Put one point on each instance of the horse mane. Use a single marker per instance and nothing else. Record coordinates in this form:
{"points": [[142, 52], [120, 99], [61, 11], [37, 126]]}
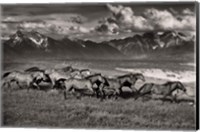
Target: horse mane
{"points": [[168, 83], [6, 74], [82, 70], [33, 69], [171, 82], [126, 75], [137, 74], [106, 81], [61, 79], [73, 70]]}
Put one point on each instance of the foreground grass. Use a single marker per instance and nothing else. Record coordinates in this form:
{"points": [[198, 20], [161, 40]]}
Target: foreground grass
{"points": [[42, 109]]}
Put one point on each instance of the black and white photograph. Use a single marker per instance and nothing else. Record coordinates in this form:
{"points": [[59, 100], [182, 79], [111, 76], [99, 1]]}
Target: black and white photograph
{"points": [[125, 65]]}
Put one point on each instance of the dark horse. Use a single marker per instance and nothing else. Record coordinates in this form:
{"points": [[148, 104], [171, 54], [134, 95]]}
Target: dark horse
{"points": [[129, 80], [111, 87], [162, 90], [99, 80]]}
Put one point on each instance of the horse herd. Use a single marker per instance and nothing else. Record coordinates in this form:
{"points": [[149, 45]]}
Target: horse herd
{"points": [[85, 82]]}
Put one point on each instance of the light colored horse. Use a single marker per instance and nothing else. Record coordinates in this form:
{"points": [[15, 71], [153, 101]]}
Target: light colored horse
{"points": [[77, 85], [56, 74], [32, 79], [129, 80]]}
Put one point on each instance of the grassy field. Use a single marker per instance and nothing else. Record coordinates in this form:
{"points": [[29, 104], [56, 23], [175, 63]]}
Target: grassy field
{"points": [[44, 109]]}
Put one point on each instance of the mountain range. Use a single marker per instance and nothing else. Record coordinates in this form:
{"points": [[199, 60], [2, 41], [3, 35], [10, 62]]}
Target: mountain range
{"points": [[155, 43]]}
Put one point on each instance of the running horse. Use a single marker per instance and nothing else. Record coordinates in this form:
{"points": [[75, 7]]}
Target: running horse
{"points": [[111, 88], [74, 84], [161, 90], [32, 79], [56, 74], [98, 80], [129, 80]]}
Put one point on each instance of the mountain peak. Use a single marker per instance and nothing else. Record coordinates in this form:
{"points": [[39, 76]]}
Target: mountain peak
{"points": [[34, 38]]}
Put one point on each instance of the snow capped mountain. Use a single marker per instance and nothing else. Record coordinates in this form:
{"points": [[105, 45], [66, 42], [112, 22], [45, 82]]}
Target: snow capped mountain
{"points": [[164, 43], [151, 42], [34, 38], [24, 43]]}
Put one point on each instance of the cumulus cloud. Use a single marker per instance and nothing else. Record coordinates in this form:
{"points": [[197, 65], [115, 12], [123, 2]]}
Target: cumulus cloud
{"points": [[187, 12], [107, 27], [151, 19], [166, 20], [125, 18]]}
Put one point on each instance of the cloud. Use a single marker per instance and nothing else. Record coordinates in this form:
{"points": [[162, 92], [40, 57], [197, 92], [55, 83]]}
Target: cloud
{"points": [[107, 27], [187, 12], [152, 19], [125, 18], [167, 21]]}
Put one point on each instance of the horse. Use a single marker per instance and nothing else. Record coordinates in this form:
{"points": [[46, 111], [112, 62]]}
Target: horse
{"points": [[31, 79], [78, 85], [129, 80], [111, 88], [98, 80], [163, 90], [56, 74]]}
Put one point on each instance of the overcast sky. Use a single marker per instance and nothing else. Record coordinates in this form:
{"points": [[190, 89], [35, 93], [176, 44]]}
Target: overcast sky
{"points": [[82, 20]]}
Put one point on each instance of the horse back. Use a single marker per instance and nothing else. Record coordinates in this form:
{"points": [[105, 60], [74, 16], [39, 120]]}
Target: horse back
{"points": [[79, 83], [6, 74], [160, 89]]}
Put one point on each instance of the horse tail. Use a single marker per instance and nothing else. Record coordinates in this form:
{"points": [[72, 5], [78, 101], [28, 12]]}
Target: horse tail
{"points": [[6, 74]]}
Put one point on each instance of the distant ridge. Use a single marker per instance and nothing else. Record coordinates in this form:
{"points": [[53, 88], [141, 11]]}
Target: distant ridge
{"points": [[35, 45]]}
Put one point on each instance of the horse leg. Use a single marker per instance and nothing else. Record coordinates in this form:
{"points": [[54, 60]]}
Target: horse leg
{"points": [[65, 95], [29, 86], [6, 85], [52, 84], [116, 95], [18, 85], [141, 94], [78, 95], [102, 95], [36, 85]]}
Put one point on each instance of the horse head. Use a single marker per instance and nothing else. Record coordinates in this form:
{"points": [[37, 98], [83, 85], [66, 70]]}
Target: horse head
{"points": [[85, 72], [41, 76], [74, 73], [59, 84], [175, 85], [180, 86]]}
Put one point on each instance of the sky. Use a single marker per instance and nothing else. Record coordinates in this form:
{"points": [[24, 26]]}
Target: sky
{"points": [[98, 22]]}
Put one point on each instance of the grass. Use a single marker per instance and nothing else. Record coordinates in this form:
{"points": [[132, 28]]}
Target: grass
{"points": [[42, 109]]}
